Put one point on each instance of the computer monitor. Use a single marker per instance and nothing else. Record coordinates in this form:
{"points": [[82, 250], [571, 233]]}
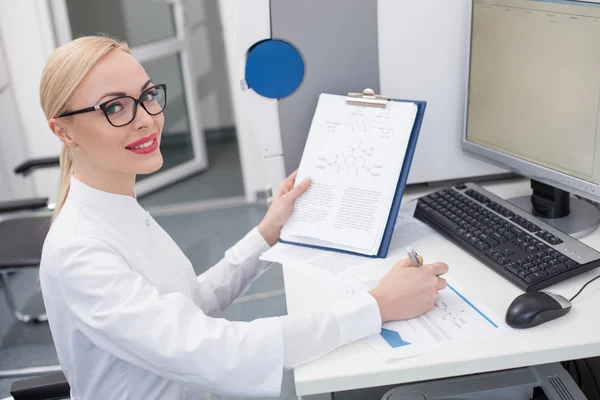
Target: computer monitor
{"points": [[533, 104]]}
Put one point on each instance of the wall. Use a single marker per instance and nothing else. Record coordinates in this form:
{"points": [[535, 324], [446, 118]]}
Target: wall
{"points": [[204, 21], [255, 178], [28, 42], [12, 148]]}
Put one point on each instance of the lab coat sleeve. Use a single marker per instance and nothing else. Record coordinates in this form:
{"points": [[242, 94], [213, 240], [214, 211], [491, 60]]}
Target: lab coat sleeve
{"points": [[310, 336], [122, 313], [219, 286]]}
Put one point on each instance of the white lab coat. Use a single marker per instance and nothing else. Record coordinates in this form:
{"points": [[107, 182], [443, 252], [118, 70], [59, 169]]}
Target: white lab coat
{"points": [[130, 320]]}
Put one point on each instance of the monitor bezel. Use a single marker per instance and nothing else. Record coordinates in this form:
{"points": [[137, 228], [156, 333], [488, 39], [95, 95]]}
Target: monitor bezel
{"points": [[522, 167]]}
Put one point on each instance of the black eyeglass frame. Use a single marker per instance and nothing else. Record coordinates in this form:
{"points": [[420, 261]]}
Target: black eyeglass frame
{"points": [[102, 106]]}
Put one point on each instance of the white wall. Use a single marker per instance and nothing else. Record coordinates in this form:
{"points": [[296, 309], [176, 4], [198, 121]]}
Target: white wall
{"points": [[28, 42], [12, 148], [204, 22], [255, 178]]}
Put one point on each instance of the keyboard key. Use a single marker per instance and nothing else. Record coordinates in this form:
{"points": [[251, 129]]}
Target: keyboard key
{"points": [[556, 269], [554, 240], [440, 219], [508, 214], [516, 231], [514, 268], [489, 252], [553, 262], [528, 265], [534, 228], [473, 240], [495, 236], [531, 249], [524, 273], [496, 255], [536, 276], [502, 260], [570, 263], [488, 240], [481, 246]]}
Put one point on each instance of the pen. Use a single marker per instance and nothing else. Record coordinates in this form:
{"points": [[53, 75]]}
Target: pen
{"points": [[413, 257]]}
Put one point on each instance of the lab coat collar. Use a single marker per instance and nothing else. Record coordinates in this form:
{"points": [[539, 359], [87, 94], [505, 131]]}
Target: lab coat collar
{"points": [[105, 201]]}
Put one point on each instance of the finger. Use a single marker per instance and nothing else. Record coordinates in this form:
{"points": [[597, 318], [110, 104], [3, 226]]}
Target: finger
{"points": [[441, 283], [299, 189], [439, 268], [403, 263], [420, 259], [285, 186], [293, 175]]}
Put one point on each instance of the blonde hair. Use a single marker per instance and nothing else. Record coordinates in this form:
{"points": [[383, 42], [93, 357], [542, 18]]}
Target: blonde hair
{"points": [[64, 71]]}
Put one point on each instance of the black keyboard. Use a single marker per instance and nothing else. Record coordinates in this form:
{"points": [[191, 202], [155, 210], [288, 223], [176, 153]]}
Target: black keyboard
{"points": [[523, 249]]}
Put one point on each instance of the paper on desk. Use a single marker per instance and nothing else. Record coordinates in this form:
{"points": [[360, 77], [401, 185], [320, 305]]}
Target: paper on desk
{"points": [[456, 318], [332, 265]]}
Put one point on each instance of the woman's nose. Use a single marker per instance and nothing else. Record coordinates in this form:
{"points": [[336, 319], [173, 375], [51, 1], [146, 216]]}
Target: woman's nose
{"points": [[142, 118]]}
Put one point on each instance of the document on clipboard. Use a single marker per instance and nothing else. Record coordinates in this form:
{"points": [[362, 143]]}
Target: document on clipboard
{"points": [[358, 154]]}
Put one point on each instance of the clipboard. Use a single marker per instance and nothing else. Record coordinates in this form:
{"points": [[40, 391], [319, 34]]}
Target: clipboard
{"points": [[368, 98]]}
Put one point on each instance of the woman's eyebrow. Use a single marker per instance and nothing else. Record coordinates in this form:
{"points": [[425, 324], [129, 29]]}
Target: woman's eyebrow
{"points": [[115, 94]]}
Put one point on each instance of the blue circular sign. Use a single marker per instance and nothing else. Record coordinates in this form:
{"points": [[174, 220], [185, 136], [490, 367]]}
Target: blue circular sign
{"points": [[274, 69]]}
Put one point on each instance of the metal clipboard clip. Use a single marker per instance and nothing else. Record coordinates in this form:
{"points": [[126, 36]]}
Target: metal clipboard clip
{"points": [[367, 98]]}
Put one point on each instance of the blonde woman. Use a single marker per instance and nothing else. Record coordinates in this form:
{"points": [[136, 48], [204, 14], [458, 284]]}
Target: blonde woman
{"points": [[129, 317]]}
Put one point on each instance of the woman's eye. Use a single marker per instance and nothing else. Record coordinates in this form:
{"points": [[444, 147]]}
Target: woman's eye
{"points": [[149, 96], [113, 108]]}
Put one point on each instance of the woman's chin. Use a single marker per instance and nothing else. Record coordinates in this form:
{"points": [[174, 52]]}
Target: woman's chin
{"points": [[151, 165]]}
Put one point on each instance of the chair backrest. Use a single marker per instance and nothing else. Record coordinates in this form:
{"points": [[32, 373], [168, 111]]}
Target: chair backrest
{"points": [[21, 240], [47, 387]]}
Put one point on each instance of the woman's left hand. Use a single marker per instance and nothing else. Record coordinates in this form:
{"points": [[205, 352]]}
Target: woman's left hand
{"points": [[281, 208]]}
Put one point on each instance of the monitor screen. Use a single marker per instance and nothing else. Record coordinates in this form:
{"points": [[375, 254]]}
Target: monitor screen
{"points": [[534, 83]]}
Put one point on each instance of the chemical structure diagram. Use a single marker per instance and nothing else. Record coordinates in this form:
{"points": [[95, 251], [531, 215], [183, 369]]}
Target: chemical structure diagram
{"points": [[448, 315], [352, 161], [358, 121]]}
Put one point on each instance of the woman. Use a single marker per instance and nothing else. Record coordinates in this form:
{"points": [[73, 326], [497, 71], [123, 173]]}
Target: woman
{"points": [[129, 318]]}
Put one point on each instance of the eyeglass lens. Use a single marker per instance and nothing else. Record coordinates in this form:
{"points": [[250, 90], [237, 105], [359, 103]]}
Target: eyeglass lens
{"points": [[121, 111]]}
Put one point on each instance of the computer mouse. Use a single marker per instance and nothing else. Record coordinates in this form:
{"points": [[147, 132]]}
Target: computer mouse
{"points": [[535, 308]]}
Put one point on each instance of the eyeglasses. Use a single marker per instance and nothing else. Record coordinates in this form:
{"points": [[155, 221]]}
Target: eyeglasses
{"points": [[120, 111]]}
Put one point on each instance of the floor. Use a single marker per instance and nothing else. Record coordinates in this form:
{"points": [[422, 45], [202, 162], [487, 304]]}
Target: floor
{"points": [[203, 236]]}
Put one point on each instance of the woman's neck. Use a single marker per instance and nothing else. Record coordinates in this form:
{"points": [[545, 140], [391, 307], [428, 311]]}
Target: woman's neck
{"points": [[107, 181]]}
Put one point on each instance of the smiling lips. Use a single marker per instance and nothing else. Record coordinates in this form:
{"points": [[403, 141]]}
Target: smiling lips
{"points": [[145, 145]]}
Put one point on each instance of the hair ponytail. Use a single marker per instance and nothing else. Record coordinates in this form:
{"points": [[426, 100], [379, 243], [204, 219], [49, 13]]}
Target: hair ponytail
{"points": [[64, 71], [66, 171]]}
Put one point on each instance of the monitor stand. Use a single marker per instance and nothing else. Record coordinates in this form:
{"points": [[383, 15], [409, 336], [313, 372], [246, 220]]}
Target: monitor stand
{"points": [[559, 209]]}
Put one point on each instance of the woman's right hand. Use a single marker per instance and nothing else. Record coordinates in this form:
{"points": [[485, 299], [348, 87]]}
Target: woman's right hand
{"points": [[407, 292]]}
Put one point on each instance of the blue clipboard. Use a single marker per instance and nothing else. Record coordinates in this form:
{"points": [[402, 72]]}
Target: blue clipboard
{"points": [[371, 99]]}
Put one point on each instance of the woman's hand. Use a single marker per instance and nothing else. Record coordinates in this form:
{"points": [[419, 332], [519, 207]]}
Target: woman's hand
{"points": [[281, 208], [407, 292]]}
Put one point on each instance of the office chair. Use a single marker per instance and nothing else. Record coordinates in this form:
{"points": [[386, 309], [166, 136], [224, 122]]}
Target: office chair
{"points": [[23, 227], [47, 387]]}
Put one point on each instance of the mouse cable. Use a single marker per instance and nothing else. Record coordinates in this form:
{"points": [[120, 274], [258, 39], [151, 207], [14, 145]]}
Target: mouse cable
{"points": [[581, 290]]}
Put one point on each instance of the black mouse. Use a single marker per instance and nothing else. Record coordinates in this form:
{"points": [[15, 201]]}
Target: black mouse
{"points": [[535, 308]]}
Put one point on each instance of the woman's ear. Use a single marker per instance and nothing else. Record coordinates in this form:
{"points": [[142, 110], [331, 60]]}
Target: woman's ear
{"points": [[60, 130]]}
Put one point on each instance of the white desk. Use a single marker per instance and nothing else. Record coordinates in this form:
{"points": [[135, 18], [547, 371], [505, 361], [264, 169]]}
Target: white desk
{"points": [[575, 335]]}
